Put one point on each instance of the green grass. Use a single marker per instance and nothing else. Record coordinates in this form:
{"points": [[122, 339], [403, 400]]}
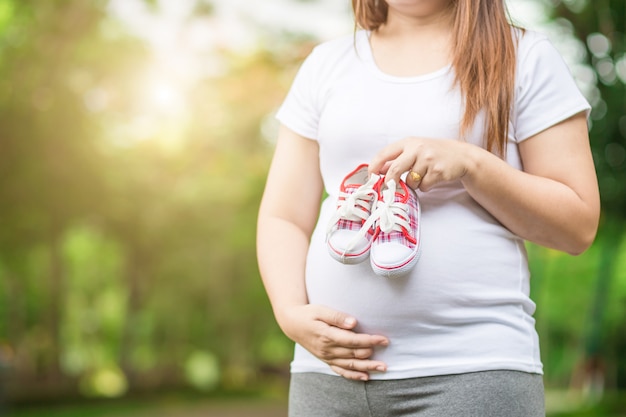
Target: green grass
{"points": [[143, 405], [567, 404], [558, 404], [96, 408]]}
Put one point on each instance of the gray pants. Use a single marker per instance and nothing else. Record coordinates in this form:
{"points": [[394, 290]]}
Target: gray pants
{"points": [[478, 394]]}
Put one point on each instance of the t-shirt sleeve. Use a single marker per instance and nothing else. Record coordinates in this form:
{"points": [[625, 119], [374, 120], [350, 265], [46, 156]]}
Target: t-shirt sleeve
{"points": [[299, 111], [546, 92]]}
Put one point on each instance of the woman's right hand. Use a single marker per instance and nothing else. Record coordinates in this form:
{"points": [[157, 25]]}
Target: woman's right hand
{"points": [[287, 217], [329, 335]]}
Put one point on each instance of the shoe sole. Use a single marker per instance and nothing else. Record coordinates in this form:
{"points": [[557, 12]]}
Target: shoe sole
{"points": [[348, 259], [396, 271]]}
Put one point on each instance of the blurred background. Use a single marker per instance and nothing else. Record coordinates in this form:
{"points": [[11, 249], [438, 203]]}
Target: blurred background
{"points": [[135, 136]]}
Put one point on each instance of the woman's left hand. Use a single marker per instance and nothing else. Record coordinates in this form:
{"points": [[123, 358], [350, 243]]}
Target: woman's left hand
{"points": [[433, 161]]}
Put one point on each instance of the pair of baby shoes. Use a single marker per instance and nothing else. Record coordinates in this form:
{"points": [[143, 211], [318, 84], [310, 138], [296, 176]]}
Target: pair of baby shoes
{"points": [[377, 219]]}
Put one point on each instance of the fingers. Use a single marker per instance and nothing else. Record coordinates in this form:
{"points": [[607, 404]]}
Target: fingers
{"points": [[349, 353], [350, 374], [334, 336], [332, 339], [399, 166], [357, 369], [355, 359], [415, 174], [381, 163], [340, 321], [414, 177], [339, 352], [360, 365], [427, 162], [334, 318], [394, 160]]}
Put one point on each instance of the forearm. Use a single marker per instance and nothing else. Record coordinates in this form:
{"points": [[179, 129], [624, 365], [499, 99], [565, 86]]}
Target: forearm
{"points": [[536, 208], [281, 251], [326, 333], [287, 216]]}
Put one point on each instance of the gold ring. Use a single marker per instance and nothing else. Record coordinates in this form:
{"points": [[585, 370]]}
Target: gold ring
{"points": [[415, 177]]}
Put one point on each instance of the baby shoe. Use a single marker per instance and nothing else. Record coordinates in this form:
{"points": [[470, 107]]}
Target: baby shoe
{"points": [[347, 239], [395, 247]]}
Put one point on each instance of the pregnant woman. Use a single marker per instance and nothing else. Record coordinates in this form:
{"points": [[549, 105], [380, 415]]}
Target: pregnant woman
{"points": [[481, 125]]}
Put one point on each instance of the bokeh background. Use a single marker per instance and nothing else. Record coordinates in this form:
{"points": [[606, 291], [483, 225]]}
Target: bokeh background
{"points": [[135, 136]]}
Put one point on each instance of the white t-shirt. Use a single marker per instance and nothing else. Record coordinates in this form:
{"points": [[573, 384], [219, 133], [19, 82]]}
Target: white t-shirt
{"points": [[465, 307]]}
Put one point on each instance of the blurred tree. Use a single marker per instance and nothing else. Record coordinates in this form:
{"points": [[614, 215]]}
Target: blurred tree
{"points": [[48, 171], [122, 258], [601, 25], [127, 256]]}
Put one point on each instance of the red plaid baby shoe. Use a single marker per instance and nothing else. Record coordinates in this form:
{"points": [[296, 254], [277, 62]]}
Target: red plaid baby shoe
{"points": [[348, 238], [395, 248]]}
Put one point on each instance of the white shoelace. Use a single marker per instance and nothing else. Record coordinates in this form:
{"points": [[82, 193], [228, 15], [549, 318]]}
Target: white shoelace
{"points": [[355, 206], [390, 215]]}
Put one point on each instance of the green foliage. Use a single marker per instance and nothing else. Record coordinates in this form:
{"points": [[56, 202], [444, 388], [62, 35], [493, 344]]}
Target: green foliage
{"points": [[126, 259], [127, 244], [601, 24], [564, 288]]}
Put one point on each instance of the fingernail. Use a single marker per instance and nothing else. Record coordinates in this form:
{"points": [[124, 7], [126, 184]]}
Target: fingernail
{"points": [[364, 378], [381, 368], [349, 321]]}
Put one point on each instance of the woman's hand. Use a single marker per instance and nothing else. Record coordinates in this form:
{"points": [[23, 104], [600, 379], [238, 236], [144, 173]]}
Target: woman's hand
{"points": [[434, 160], [329, 335], [553, 202]]}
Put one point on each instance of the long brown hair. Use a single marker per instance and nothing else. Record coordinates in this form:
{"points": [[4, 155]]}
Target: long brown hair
{"points": [[483, 60]]}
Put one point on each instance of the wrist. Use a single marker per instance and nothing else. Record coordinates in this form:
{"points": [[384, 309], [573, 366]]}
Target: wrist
{"points": [[473, 161], [285, 316]]}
